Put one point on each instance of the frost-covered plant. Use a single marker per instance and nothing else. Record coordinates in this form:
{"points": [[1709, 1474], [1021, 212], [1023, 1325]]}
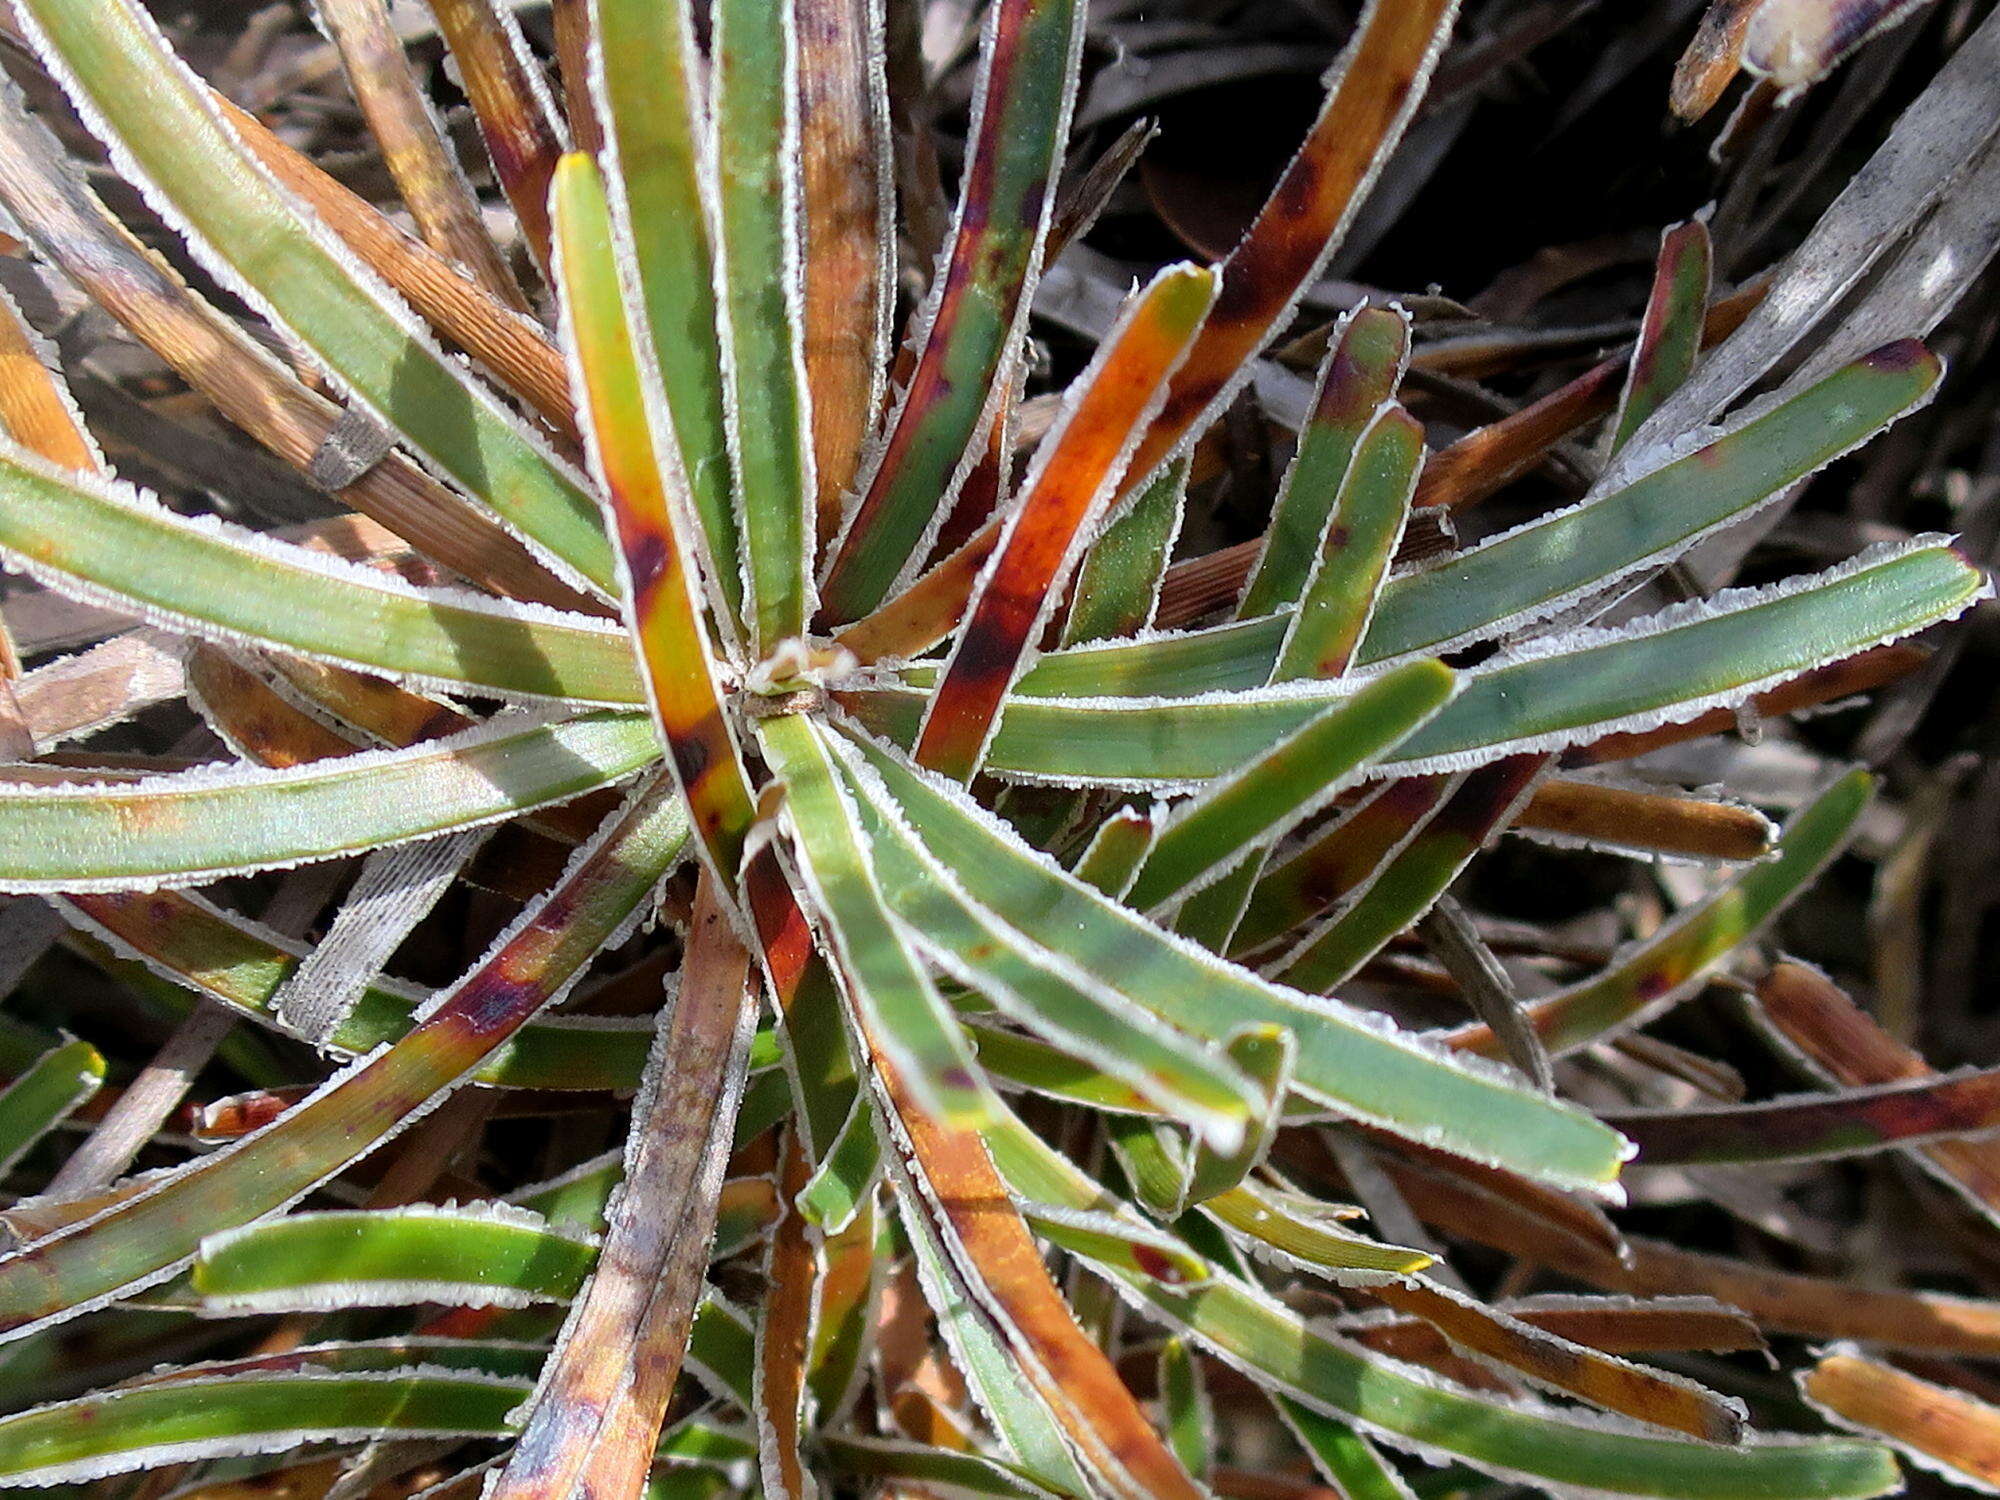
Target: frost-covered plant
{"points": [[997, 875]]}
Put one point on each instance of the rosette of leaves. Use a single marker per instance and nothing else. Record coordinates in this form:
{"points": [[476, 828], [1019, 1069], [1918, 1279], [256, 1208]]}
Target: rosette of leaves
{"points": [[1001, 875]]}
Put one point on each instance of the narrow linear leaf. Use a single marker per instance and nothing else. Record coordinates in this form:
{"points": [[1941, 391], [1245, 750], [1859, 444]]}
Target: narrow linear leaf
{"points": [[1055, 996], [163, 129], [1118, 581], [979, 299], [45, 1095], [1073, 477], [145, 1237], [1414, 879], [1670, 332], [100, 540], [186, 826], [187, 1421], [884, 978], [659, 564], [1653, 975], [1288, 783], [1352, 1063], [647, 89], [1566, 691], [1363, 367], [478, 1256], [760, 291]]}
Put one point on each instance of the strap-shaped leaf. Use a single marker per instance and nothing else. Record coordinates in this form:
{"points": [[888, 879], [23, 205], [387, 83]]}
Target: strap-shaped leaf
{"points": [[164, 131], [885, 981], [1412, 881], [1375, 92], [659, 561], [1075, 472], [190, 826], [1567, 691], [1350, 559], [1667, 967], [602, 1399], [645, 76], [1344, 1456], [103, 541], [1288, 783], [43, 1096], [1362, 370], [1540, 568], [1182, 1075], [145, 1237], [1670, 333], [480, 1256], [979, 299], [185, 1421], [1118, 582], [184, 937], [1412, 1409], [1532, 572], [1351, 1063], [759, 271], [1339, 864]]}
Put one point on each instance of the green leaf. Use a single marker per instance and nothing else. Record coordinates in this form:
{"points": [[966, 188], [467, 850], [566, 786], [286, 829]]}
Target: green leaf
{"points": [[1410, 1408], [979, 299], [1352, 1063], [186, 1421], [45, 1094], [1053, 996], [1532, 572], [1118, 582], [1555, 694], [1287, 783], [848, 1173], [189, 826], [1670, 333], [1351, 559], [1536, 571], [480, 1256], [1364, 365], [1190, 1419], [146, 1237], [758, 273], [105, 542], [1650, 976], [659, 556], [884, 978], [1347, 1459], [1411, 882], [645, 80], [164, 132]]}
